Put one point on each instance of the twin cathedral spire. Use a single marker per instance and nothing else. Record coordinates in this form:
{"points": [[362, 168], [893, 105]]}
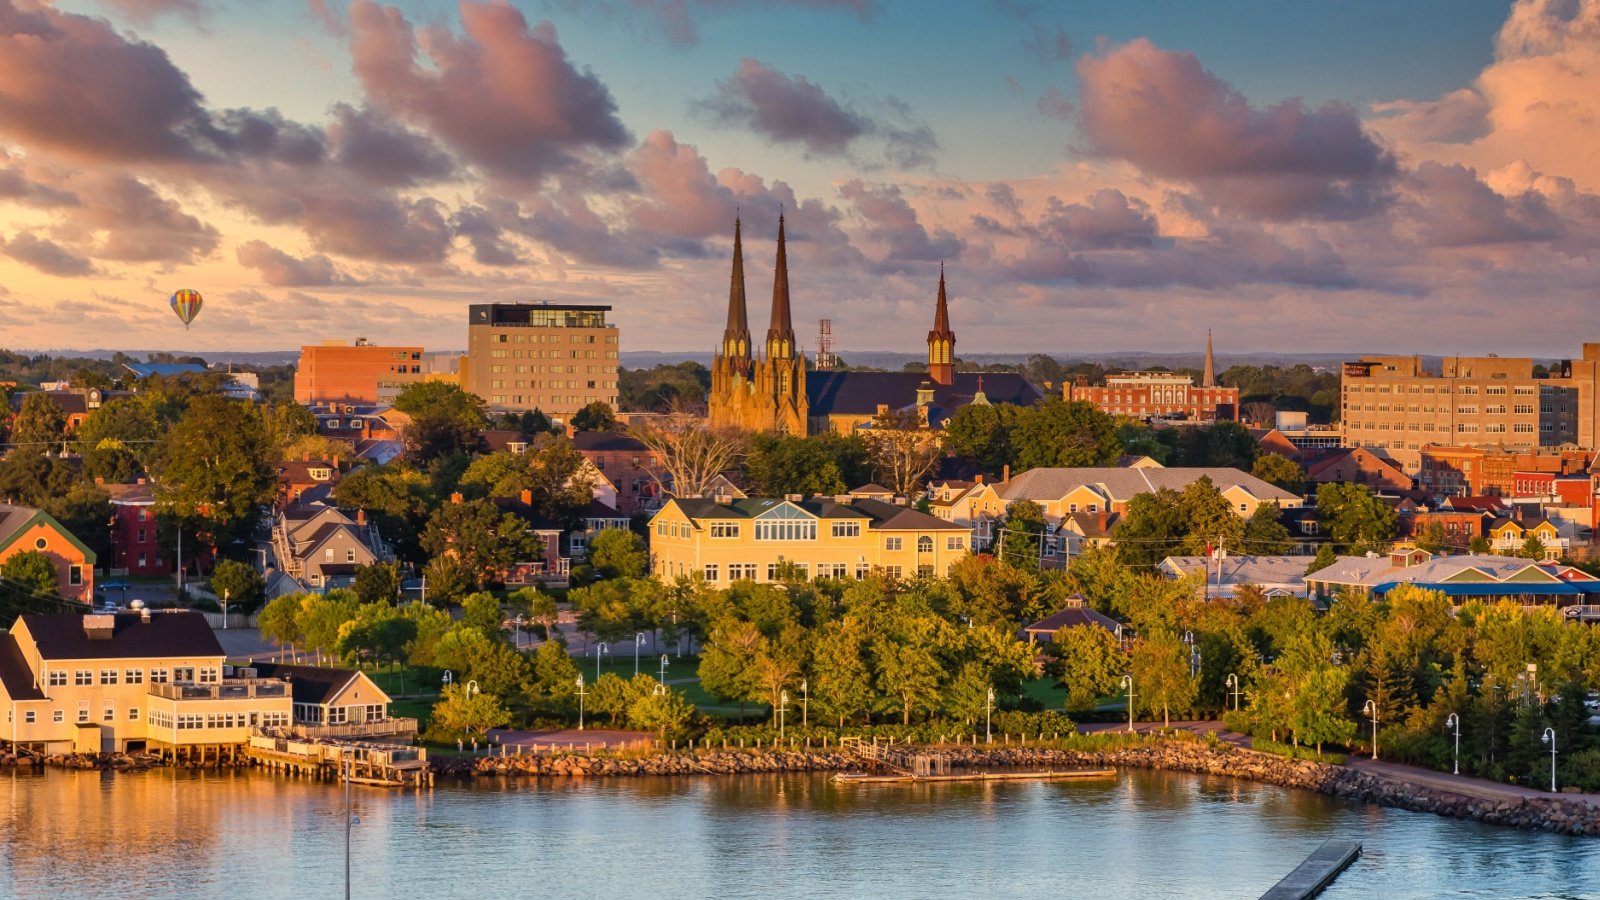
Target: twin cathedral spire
{"points": [[780, 341]]}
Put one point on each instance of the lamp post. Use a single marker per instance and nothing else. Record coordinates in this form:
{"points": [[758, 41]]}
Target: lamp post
{"points": [[1127, 683], [783, 707], [225, 593], [517, 632], [638, 642], [581, 694], [663, 668], [805, 703], [988, 718], [1232, 684], [449, 678], [600, 650], [1454, 721], [349, 820], [1371, 709], [1549, 737]]}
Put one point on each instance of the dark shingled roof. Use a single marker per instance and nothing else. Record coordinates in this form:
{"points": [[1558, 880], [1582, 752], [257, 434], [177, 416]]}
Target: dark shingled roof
{"points": [[877, 513], [1071, 617], [308, 684], [166, 634], [14, 671], [595, 441], [859, 393]]}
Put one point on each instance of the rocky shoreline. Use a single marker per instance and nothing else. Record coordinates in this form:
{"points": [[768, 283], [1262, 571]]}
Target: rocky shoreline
{"points": [[1554, 814], [120, 762]]}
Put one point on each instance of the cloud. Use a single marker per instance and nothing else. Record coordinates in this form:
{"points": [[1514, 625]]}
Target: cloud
{"points": [[374, 147], [1163, 112], [501, 95], [46, 255], [279, 269], [677, 20], [1054, 104], [125, 219], [487, 239], [146, 11], [1453, 208], [793, 110], [892, 221], [1458, 117]]}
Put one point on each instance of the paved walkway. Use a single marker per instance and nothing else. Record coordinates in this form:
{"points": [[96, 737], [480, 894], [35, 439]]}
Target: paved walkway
{"points": [[571, 738]]}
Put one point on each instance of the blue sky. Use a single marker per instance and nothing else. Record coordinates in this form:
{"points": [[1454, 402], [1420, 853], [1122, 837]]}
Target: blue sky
{"points": [[1276, 171]]}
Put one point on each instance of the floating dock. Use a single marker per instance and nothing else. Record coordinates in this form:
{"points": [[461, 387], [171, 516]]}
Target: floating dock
{"points": [[1052, 775], [379, 765], [1317, 872]]}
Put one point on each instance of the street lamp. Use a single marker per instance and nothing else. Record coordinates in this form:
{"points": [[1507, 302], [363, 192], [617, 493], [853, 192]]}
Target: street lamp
{"points": [[581, 694], [1371, 709], [1549, 737], [638, 642], [1232, 684], [349, 820], [988, 718], [225, 593], [472, 688], [663, 668], [517, 632], [600, 650], [805, 703], [1454, 721], [783, 707], [449, 678], [1127, 682]]}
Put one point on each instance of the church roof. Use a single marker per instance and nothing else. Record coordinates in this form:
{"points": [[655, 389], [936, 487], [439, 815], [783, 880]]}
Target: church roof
{"points": [[860, 393]]}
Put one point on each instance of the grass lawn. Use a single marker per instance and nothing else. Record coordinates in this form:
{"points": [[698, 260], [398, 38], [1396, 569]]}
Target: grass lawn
{"points": [[648, 665], [1047, 691]]}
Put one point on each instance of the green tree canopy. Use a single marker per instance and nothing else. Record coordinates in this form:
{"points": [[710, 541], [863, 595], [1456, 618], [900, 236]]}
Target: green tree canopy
{"points": [[597, 416], [1355, 518], [484, 539], [1277, 469], [619, 553], [1057, 432], [240, 583], [31, 571], [214, 468]]}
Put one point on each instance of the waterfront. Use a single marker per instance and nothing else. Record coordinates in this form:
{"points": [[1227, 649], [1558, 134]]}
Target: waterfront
{"points": [[1146, 834]]}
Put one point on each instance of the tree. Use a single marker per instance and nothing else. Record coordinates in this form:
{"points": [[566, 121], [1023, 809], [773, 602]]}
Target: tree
{"points": [[1152, 528], [840, 683], [1532, 548], [692, 455], [902, 451], [398, 497], [1264, 534], [609, 696], [555, 676], [597, 416], [486, 540], [780, 464], [980, 433], [1478, 546], [1325, 557], [482, 611], [1356, 519], [662, 710], [1209, 518], [39, 424], [380, 638], [619, 553], [441, 400], [1433, 538], [1057, 432], [214, 468], [909, 673], [31, 571], [447, 579], [1160, 667], [1022, 534], [377, 583], [461, 713], [1277, 469], [240, 584], [280, 620], [1088, 662], [728, 662]]}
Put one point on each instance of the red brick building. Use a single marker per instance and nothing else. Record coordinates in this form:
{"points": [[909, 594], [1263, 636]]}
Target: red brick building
{"points": [[1147, 395], [635, 469], [1355, 465], [24, 529]]}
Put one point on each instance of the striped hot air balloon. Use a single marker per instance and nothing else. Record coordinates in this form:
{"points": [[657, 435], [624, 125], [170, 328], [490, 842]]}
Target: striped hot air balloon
{"points": [[186, 304]]}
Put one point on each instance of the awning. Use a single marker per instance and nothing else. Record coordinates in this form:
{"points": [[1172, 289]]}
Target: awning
{"points": [[1499, 588]]}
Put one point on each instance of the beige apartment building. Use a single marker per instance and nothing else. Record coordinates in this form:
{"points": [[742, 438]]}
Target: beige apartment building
{"points": [[556, 358], [726, 540], [127, 682], [1392, 404]]}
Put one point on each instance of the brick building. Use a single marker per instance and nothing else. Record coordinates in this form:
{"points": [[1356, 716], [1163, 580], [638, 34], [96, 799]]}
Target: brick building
{"points": [[556, 358], [359, 372], [24, 529], [1453, 471], [1150, 395]]}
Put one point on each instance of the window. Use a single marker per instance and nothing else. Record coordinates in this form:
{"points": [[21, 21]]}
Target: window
{"points": [[862, 570], [30, 717], [892, 543], [792, 527], [892, 572], [108, 676], [742, 572], [924, 544], [724, 530], [133, 714], [158, 676], [83, 676], [83, 711], [109, 713], [350, 555], [711, 573], [183, 674], [846, 529], [133, 676], [58, 677], [953, 543], [58, 716], [925, 571]]}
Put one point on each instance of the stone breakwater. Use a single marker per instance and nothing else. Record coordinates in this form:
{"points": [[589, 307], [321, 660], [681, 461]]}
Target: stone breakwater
{"points": [[1554, 814], [120, 762]]}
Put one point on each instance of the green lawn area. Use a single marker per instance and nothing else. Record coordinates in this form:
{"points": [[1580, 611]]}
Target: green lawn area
{"points": [[1046, 691], [648, 665]]}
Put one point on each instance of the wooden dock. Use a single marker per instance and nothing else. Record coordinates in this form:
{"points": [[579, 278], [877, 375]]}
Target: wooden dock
{"points": [[1318, 871], [1051, 775], [379, 765]]}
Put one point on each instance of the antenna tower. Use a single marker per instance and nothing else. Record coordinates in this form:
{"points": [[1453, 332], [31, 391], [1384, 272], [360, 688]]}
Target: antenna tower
{"points": [[825, 357]]}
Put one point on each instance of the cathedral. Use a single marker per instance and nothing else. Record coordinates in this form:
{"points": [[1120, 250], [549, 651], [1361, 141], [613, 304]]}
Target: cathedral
{"points": [[774, 392]]}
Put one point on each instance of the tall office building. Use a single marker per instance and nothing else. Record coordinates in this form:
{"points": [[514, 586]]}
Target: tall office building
{"points": [[553, 357], [1392, 404]]}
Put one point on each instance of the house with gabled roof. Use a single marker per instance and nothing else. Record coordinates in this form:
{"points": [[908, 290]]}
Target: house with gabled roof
{"points": [[334, 703], [723, 539], [1477, 577], [1507, 536], [26, 529], [318, 547]]}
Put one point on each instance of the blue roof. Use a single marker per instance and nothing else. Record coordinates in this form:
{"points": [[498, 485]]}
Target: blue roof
{"points": [[1499, 588], [145, 370]]}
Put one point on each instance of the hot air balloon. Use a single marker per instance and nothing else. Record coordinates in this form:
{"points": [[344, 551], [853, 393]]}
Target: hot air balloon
{"points": [[186, 303]]}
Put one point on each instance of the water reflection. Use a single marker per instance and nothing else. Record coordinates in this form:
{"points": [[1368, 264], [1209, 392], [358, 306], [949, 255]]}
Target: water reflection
{"points": [[1144, 834]]}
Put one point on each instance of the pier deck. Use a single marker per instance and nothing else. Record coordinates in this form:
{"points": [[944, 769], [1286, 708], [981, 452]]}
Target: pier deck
{"points": [[1053, 775], [1318, 871]]}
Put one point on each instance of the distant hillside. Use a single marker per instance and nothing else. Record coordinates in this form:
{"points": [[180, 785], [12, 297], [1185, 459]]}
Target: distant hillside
{"points": [[1120, 359]]}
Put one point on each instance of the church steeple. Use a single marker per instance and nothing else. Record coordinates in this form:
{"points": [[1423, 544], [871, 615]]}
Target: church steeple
{"points": [[736, 337], [780, 335], [942, 340], [1209, 377]]}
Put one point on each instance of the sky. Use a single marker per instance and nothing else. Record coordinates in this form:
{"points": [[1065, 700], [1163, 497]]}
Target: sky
{"points": [[1094, 175]]}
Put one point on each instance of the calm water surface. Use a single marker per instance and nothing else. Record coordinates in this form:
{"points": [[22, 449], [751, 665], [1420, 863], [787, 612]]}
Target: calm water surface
{"points": [[1144, 834]]}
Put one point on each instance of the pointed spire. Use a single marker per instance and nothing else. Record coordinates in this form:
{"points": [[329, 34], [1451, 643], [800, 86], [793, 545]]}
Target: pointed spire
{"points": [[1209, 377], [736, 337], [780, 335], [942, 340]]}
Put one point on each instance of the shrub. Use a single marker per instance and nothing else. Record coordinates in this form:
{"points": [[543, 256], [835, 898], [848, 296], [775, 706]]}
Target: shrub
{"points": [[1288, 750]]}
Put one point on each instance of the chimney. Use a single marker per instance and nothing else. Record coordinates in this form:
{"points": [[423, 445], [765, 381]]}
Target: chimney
{"points": [[1005, 473], [1100, 518], [978, 478], [336, 463], [527, 498], [98, 480], [139, 481], [361, 518], [99, 627], [456, 497], [305, 456]]}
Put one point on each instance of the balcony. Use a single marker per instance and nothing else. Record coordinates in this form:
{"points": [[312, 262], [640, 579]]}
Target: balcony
{"points": [[229, 689], [395, 727]]}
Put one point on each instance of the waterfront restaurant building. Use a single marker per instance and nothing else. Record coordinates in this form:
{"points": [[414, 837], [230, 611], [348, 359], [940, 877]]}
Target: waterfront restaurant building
{"points": [[762, 539]]}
